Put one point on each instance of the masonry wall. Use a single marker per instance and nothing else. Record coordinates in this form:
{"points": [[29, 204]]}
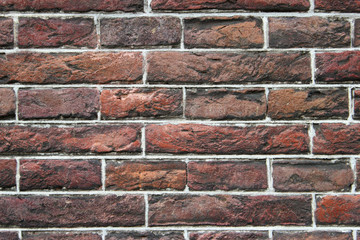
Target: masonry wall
{"points": [[179, 119]]}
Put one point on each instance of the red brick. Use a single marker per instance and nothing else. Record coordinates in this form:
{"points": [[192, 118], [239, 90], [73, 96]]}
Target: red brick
{"points": [[338, 5], [308, 104], [358, 175], [150, 31], [72, 211], [292, 32], [59, 103], [318, 176], [338, 210], [357, 104], [357, 32], [343, 67], [7, 174], [315, 235], [132, 235], [6, 33], [145, 175], [82, 139], [227, 176], [60, 174], [197, 138], [71, 6], [60, 236], [9, 236], [228, 68], [63, 68], [255, 5], [336, 138], [227, 210], [228, 235], [7, 103], [141, 102], [223, 32], [56, 32], [225, 103]]}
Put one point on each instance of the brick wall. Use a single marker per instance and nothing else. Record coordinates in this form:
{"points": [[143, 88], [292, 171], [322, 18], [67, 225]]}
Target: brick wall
{"points": [[180, 119]]}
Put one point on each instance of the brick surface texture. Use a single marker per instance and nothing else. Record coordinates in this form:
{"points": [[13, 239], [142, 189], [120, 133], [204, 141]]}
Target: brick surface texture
{"points": [[180, 119]]}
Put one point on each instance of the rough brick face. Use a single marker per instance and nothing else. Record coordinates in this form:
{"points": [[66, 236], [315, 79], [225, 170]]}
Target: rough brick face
{"points": [[60, 236], [9, 236], [338, 5], [56, 32], [357, 104], [357, 32], [220, 32], [7, 103], [59, 103], [229, 235], [161, 235], [277, 235], [290, 32], [6, 33], [7, 174]]}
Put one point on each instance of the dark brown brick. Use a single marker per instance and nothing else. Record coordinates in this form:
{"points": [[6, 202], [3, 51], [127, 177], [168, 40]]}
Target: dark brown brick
{"points": [[132, 235], [255, 5], [141, 102], [228, 68], [338, 5], [9, 236], [209, 176], [343, 67], [229, 235], [72, 211], [71, 6], [292, 235], [198, 138], [6, 32], [310, 175], [56, 32], [357, 32], [308, 104], [336, 138], [145, 175], [60, 174], [7, 174], [223, 32], [82, 139], [150, 31], [61, 68], [293, 32], [338, 210], [59, 103], [60, 236], [227, 210], [357, 104], [7, 103], [225, 104], [358, 174]]}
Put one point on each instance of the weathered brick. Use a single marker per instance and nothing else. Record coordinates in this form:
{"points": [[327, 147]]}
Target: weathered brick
{"points": [[338, 5], [56, 32], [308, 103], [223, 32], [62, 68], [227, 210], [225, 103], [229, 235], [145, 175], [71, 6], [358, 174], [209, 176], [228, 68], [336, 138], [59, 103], [141, 102], [255, 5], [140, 31], [343, 67], [72, 211], [303, 176], [357, 33], [7, 103], [198, 138], [293, 32], [6, 32], [132, 235], [338, 210], [60, 174], [60, 236], [82, 139], [7, 173], [357, 104], [9, 236], [302, 235]]}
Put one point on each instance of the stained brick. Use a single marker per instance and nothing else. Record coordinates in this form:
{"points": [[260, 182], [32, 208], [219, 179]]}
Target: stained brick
{"points": [[338, 5], [9, 236], [357, 32], [7, 103], [229, 235], [60, 236], [298, 235], [7, 174], [132, 235], [6, 33]]}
